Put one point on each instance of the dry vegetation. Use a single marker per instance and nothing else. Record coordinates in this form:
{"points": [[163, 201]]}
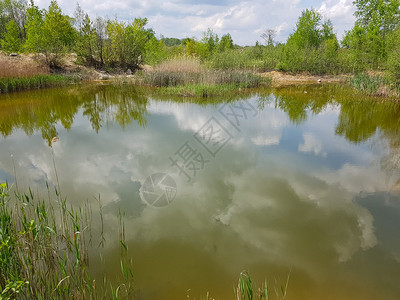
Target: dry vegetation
{"points": [[21, 66], [189, 71]]}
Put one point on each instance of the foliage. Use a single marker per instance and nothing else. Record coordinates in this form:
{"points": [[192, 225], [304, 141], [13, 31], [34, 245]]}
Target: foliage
{"points": [[376, 19], [155, 52], [313, 46], [393, 50], [373, 42], [375, 85], [43, 259], [8, 85], [171, 41], [137, 37], [86, 41], [245, 289], [12, 10], [34, 29], [226, 43], [188, 77], [49, 32], [11, 41]]}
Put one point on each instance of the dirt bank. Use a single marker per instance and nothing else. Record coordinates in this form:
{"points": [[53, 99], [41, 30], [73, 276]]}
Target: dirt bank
{"points": [[281, 79], [26, 65]]}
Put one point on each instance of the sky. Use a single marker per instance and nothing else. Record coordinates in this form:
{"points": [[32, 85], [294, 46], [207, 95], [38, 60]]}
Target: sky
{"points": [[244, 20]]}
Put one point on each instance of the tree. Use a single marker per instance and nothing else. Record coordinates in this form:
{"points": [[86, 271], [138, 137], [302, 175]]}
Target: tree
{"points": [[189, 44], [136, 38], [34, 29], [86, 40], [381, 14], [171, 41], [225, 43], [155, 51], [268, 36], [210, 39], [375, 20], [13, 10], [117, 47], [312, 46], [11, 41], [79, 17], [308, 31], [58, 34], [393, 49], [100, 26]]}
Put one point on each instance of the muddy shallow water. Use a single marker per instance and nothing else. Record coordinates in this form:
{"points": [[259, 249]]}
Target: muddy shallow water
{"points": [[274, 183]]}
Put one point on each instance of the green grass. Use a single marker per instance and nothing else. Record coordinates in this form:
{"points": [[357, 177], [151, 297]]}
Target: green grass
{"points": [[8, 85], [246, 290], [375, 85], [204, 90], [44, 251]]}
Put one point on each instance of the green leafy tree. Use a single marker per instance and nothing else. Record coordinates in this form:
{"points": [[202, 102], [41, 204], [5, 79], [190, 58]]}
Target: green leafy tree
{"points": [[116, 49], [375, 20], [211, 40], [58, 34], [34, 29], [309, 30], [189, 44], [13, 10], [85, 45], [11, 41], [100, 28], [393, 49], [155, 51], [225, 43], [171, 41], [312, 47], [136, 37]]}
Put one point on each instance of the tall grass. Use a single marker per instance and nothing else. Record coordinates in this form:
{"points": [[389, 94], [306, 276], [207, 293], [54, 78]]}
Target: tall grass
{"points": [[375, 85], [39, 259], [187, 76], [8, 85], [21, 66], [245, 289]]}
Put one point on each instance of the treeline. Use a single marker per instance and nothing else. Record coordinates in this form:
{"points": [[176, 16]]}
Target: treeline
{"points": [[372, 44]]}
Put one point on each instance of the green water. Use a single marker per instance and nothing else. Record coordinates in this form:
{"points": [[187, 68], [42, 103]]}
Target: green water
{"points": [[283, 181]]}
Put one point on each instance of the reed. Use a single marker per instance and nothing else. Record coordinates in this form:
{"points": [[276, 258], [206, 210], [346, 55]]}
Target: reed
{"points": [[188, 77], [375, 85], [40, 259], [245, 289], [21, 66], [8, 85]]}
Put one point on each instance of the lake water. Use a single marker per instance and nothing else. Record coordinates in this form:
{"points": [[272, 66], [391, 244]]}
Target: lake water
{"points": [[303, 181]]}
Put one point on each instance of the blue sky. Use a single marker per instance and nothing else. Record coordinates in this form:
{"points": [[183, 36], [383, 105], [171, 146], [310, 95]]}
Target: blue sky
{"points": [[244, 20]]}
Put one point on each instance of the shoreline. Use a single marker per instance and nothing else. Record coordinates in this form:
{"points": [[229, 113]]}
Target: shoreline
{"points": [[28, 65]]}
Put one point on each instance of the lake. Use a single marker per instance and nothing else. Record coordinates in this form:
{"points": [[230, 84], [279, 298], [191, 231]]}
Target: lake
{"points": [[302, 181]]}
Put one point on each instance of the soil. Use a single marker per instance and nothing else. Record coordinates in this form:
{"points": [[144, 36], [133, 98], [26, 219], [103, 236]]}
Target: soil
{"points": [[281, 79]]}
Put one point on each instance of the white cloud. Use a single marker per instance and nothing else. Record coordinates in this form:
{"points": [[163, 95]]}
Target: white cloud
{"points": [[260, 140], [244, 20], [311, 145], [340, 12]]}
